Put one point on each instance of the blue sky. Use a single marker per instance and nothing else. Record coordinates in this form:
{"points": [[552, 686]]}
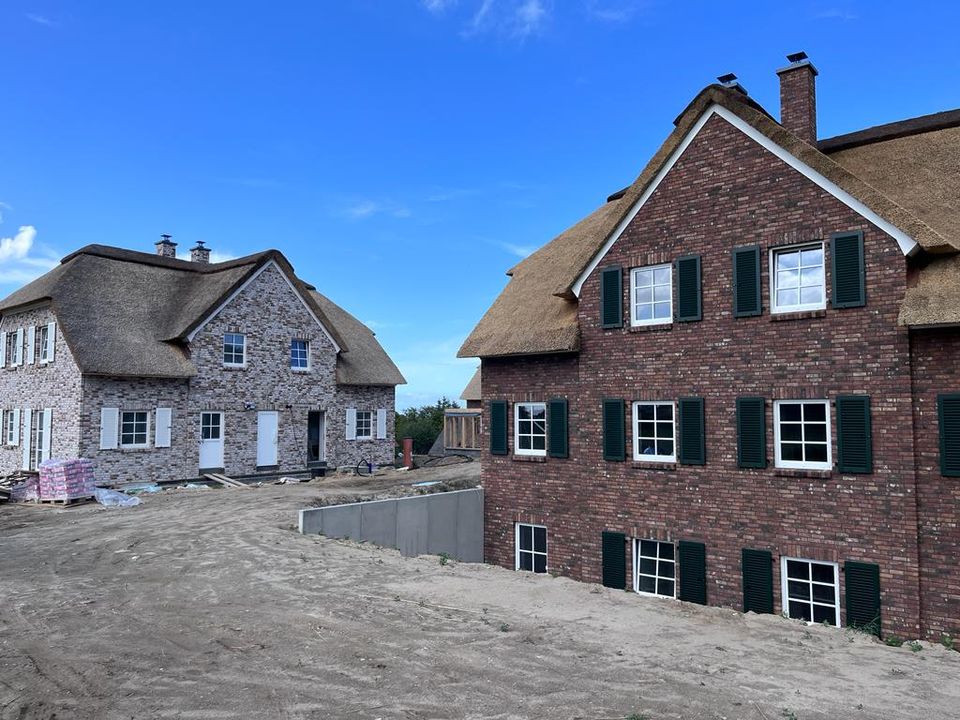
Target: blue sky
{"points": [[403, 154]]}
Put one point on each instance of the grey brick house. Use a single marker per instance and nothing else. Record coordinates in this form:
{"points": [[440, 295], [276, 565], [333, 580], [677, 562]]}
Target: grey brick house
{"points": [[158, 368]]}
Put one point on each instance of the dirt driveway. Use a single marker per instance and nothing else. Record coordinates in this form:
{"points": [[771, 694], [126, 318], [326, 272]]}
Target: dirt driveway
{"points": [[206, 604]]}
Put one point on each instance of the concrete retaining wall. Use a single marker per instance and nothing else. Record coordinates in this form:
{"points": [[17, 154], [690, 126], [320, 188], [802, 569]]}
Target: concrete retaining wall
{"points": [[450, 522]]}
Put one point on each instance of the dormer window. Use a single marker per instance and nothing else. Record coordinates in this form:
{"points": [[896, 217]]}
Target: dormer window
{"points": [[234, 350]]}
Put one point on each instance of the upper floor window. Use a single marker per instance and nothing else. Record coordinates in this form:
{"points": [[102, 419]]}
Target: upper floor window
{"points": [[299, 354], [133, 428], [651, 295], [43, 343], [234, 349], [654, 439], [802, 434], [364, 424], [530, 428], [798, 278]]}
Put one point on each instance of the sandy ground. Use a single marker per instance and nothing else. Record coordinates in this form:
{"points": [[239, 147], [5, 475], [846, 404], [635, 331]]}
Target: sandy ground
{"points": [[206, 604]]}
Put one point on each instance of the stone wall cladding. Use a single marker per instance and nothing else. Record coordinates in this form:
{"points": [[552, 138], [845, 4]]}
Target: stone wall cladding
{"points": [[935, 361], [270, 314], [54, 385], [350, 452], [724, 192]]}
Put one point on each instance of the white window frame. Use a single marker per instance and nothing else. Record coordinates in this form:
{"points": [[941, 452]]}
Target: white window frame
{"points": [[43, 344], [796, 464], [517, 450], [10, 418], [532, 552], [637, 455], [223, 350], [146, 435], [634, 320], [368, 414], [775, 307], [636, 568], [306, 344], [785, 590]]}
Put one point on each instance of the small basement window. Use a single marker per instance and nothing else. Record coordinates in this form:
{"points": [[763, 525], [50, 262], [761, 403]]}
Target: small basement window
{"points": [[811, 590], [531, 541], [651, 295], [802, 434], [655, 565], [530, 428], [798, 282], [133, 428], [234, 349]]}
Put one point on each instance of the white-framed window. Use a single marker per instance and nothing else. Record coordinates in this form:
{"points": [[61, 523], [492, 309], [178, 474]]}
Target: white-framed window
{"points": [[810, 590], [234, 349], [530, 428], [42, 346], [797, 278], [211, 425], [654, 568], [651, 295], [134, 428], [364, 424], [801, 431], [299, 354], [531, 544], [654, 436], [11, 419]]}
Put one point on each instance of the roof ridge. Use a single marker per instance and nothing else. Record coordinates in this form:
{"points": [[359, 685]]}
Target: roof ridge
{"points": [[120, 254], [891, 131]]}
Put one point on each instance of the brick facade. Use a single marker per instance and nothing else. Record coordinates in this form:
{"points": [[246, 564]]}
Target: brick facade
{"points": [[269, 313], [726, 191]]}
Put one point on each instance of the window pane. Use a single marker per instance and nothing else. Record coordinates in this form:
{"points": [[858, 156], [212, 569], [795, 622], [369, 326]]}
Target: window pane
{"points": [[648, 548], [644, 312], [788, 279], [789, 412], [538, 412], [666, 551], [664, 412], [666, 570], [526, 537], [540, 563], [644, 295], [824, 593], [662, 310], [821, 613], [799, 611], [787, 260], [643, 278], [523, 412], [792, 452], [647, 429], [798, 590], [816, 453], [540, 539], [645, 412], [815, 432], [791, 432], [662, 292], [539, 442], [665, 430], [665, 587], [810, 277], [811, 295], [648, 584], [814, 412], [648, 566], [787, 298], [666, 447], [661, 275], [524, 442], [822, 573], [798, 569], [526, 561], [648, 446], [814, 256]]}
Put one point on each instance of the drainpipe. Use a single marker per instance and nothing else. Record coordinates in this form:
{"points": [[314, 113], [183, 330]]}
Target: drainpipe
{"points": [[408, 453]]}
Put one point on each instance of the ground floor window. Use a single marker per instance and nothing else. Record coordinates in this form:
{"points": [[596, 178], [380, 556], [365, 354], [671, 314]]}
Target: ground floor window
{"points": [[655, 568], [364, 424], [211, 425], [133, 428], [811, 590], [531, 547]]}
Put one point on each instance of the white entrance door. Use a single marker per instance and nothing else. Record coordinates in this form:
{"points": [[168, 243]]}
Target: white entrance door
{"points": [[211, 440], [267, 438]]}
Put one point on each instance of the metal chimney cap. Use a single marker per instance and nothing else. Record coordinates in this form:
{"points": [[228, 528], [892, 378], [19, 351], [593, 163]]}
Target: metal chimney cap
{"points": [[797, 56], [165, 239], [730, 81], [798, 60]]}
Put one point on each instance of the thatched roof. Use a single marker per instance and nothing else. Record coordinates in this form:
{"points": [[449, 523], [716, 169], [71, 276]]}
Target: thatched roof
{"points": [[126, 313], [933, 294], [472, 390], [537, 311]]}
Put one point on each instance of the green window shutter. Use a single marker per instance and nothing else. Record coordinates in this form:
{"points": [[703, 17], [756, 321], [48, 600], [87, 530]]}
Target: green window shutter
{"points": [[614, 443], [751, 432], [498, 427], [948, 408], [757, 581], [746, 281], [611, 297], [693, 572], [854, 434], [614, 560], [846, 254], [693, 450], [557, 427], [688, 289], [862, 582]]}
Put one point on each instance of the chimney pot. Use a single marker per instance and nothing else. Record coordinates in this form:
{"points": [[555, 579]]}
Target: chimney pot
{"points": [[165, 247], [199, 253], [730, 81], [798, 97]]}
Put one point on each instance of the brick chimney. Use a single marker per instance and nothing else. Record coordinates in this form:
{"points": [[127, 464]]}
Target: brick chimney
{"points": [[165, 247], [199, 253], [798, 97]]}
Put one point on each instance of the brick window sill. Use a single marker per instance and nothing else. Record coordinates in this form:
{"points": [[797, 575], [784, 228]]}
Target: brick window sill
{"points": [[816, 474], [665, 327], [667, 466], [529, 458], [806, 315]]}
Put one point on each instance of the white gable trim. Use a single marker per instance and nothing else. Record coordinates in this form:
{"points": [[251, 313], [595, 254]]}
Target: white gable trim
{"points": [[907, 244], [247, 282]]}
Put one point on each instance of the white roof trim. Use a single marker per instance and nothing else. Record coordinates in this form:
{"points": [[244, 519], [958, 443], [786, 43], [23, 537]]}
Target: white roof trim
{"points": [[246, 283], [907, 244]]}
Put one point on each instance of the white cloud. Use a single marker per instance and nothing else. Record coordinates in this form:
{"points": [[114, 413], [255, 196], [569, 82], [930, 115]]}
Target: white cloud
{"points": [[17, 247], [40, 19], [520, 251], [438, 6], [366, 208], [612, 12], [529, 17], [432, 369], [511, 18], [21, 261]]}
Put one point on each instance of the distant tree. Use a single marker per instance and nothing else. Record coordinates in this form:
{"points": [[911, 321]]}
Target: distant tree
{"points": [[423, 424]]}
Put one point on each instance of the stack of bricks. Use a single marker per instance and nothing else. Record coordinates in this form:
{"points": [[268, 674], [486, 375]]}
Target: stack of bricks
{"points": [[66, 479]]}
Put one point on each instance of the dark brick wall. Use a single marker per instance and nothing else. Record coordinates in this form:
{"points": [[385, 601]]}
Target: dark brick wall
{"points": [[725, 192], [935, 358], [798, 102]]}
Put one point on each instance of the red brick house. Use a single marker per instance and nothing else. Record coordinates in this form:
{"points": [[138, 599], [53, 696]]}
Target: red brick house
{"points": [[737, 382]]}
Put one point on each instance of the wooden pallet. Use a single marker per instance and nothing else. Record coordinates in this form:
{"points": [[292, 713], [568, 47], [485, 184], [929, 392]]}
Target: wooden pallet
{"points": [[68, 503]]}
